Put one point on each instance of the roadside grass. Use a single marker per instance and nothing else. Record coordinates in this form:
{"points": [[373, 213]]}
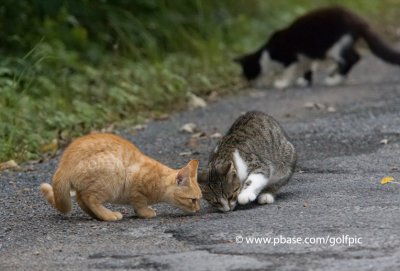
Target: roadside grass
{"points": [[57, 92]]}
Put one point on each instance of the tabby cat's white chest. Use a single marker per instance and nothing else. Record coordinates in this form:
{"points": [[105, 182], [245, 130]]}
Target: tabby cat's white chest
{"points": [[241, 166]]}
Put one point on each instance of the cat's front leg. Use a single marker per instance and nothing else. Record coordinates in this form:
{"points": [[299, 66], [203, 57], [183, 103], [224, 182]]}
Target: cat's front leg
{"points": [[141, 207], [253, 185], [288, 76], [145, 212]]}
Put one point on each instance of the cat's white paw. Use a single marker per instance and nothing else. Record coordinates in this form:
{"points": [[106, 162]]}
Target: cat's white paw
{"points": [[246, 197], [301, 82], [266, 198], [334, 80], [281, 84]]}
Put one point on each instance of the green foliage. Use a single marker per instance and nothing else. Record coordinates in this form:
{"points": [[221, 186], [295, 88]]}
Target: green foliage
{"points": [[91, 63]]}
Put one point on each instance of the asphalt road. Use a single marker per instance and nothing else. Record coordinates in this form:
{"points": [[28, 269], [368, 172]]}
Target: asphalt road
{"points": [[334, 193]]}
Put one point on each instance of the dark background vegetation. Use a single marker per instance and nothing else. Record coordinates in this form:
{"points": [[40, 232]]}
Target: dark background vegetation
{"points": [[68, 67]]}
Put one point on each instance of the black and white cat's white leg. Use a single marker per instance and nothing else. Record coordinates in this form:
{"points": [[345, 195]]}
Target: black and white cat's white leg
{"points": [[288, 76], [253, 185], [305, 73], [306, 79], [350, 57], [345, 56]]}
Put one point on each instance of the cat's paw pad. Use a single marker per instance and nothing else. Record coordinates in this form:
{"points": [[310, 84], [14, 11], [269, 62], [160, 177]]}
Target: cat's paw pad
{"points": [[246, 197], [281, 84], [334, 80], [113, 216], [266, 198]]}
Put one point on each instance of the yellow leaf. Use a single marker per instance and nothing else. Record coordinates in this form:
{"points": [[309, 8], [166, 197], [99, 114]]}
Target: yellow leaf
{"points": [[387, 180]]}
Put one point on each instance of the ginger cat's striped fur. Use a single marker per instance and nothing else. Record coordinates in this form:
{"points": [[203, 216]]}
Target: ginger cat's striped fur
{"points": [[106, 168]]}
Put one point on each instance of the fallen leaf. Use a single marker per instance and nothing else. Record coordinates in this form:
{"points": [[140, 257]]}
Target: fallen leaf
{"points": [[199, 135], [320, 106], [186, 153], [189, 128], [331, 109], [216, 135], [11, 164], [384, 141], [212, 97], [195, 102], [139, 127], [309, 105], [386, 180], [163, 116]]}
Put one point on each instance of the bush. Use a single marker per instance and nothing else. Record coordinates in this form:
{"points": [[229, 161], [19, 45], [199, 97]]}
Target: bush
{"points": [[67, 67]]}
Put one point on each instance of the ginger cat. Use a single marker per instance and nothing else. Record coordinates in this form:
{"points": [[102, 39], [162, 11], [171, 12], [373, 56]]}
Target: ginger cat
{"points": [[106, 168]]}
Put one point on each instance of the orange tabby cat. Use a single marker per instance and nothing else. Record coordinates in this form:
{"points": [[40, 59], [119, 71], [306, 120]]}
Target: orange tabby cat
{"points": [[106, 168]]}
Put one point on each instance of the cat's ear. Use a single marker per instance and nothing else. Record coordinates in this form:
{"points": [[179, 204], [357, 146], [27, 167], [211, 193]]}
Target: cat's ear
{"points": [[188, 172], [193, 166], [226, 169], [231, 172], [183, 177]]}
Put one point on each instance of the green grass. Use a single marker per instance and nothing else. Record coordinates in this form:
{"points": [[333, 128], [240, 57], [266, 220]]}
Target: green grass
{"points": [[73, 82]]}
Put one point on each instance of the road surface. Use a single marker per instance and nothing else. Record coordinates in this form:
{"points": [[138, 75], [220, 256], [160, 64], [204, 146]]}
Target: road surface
{"points": [[334, 197]]}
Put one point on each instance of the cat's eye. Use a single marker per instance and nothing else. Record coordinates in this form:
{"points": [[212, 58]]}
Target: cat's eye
{"points": [[194, 201], [216, 203]]}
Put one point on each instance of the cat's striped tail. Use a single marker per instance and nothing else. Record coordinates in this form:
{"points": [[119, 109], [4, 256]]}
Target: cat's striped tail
{"points": [[58, 195], [380, 48]]}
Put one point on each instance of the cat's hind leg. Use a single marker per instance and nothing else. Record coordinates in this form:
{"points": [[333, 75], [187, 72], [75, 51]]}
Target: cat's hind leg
{"points": [[305, 80], [83, 205], [349, 58], [95, 205], [253, 185], [345, 56]]}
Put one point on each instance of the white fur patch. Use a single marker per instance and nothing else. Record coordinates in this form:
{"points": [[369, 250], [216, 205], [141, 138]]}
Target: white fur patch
{"points": [[255, 184], [335, 51], [225, 206], [265, 198], [334, 80], [216, 149], [288, 76], [240, 165], [301, 82], [281, 83], [233, 204], [265, 62], [269, 66]]}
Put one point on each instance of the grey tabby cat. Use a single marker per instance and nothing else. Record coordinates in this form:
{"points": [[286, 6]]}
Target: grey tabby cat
{"points": [[252, 161]]}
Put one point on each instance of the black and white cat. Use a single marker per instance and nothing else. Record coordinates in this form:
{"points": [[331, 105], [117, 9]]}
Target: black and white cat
{"points": [[326, 33]]}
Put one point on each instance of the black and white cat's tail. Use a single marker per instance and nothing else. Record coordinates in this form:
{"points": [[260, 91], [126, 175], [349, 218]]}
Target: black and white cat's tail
{"points": [[380, 48]]}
